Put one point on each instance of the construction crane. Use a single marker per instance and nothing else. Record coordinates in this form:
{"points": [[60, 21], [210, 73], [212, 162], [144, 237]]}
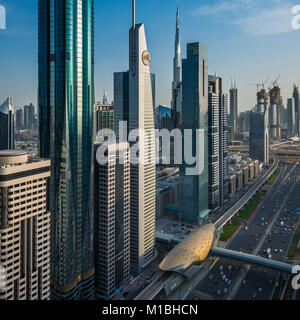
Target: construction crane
{"points": [[261, 84], [275, 82]]}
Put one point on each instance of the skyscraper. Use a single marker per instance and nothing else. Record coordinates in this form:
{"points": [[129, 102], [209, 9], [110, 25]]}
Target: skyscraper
{"points": [[66, 108], [7, 135], [297, 109], [104, 115], [224, 137], [259, 136], [218, 141], [143, 174], [275, 113], [29, 116], [121, 100], [112, 220], [176, 84], [213, 146], [291, 118], [19, 119], [134, 103], [233, 110], [24, 226], [194, 188]]}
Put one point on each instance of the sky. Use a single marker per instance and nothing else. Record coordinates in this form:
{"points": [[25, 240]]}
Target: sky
{"points": [[249, 40]]}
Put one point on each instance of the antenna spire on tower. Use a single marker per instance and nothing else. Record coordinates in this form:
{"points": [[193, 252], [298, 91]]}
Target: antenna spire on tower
{"points": [[133, 14]]}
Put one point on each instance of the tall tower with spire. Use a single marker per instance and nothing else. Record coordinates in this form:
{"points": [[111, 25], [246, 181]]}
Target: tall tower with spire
{"points": [[134, 101], [177, 77]]}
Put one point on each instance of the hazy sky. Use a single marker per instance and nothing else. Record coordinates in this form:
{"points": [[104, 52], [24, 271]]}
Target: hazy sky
{"points": [[250, 40]]}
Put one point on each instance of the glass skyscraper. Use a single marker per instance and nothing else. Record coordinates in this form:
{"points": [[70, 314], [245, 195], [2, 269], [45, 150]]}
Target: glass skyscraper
{"points": [[7, 127], [194, 188], [66, 102]]}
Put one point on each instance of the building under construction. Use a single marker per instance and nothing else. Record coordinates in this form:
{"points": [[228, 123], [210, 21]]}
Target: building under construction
{"points": [[262, 100], [275, 113]]}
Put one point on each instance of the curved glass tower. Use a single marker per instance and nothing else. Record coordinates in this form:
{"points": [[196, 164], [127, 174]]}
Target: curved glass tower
{"points": [[66, 99]]}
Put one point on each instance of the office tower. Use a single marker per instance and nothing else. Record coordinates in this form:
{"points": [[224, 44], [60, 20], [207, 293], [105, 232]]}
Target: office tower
{"points": [[233, 109], [297, 109], [112, 220], [213, 147], [259, 136], [24, 226], [19, 119], [29, 116], [143, 174], [275, 113], [177, 78], [104, 114], [291, 118], [7, 135], [194, 187], [66, 108]]}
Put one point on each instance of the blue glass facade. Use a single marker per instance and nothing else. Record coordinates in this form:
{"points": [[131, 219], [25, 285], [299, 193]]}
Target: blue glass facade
{"points": [[194, 188], [66, 100]]}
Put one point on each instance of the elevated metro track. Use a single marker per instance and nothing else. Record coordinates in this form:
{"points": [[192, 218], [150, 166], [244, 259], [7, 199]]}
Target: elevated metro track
{"points": [[253, 260]]}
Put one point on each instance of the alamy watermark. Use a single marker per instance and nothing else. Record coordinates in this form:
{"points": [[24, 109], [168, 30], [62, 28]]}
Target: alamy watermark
{"points": [[296, 17], [188, 147], [2, 17], [2, 279], [296, 279]]}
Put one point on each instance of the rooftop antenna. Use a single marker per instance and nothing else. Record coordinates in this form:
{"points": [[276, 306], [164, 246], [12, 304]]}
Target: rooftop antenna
{"points": [[133, 15]]}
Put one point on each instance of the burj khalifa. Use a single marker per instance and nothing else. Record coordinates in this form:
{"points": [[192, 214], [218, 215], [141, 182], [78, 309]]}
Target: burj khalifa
{"points": [[177, 77]]}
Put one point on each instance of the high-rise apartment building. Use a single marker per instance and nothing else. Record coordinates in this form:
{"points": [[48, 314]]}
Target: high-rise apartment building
{"points": [[7, 135], [218, 142], [112, 219], [233, 110], [194, 187], [24, 226], [213, 148], [224, 137], [66, 109]]}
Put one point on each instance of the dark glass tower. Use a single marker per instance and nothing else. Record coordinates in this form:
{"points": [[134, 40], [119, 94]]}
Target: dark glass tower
{"points": [[193, 186], [7, 136], [66, 100]]}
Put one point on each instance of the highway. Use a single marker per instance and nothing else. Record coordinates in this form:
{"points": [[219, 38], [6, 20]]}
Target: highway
{"points": [[240, 204], [264, 232]]}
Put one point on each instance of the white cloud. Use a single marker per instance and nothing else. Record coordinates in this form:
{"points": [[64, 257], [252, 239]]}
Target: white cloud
{"points": [[253, 17]]}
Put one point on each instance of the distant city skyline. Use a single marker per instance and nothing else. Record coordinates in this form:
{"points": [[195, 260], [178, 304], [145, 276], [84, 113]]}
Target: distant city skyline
{"points": [[249, 41]]}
